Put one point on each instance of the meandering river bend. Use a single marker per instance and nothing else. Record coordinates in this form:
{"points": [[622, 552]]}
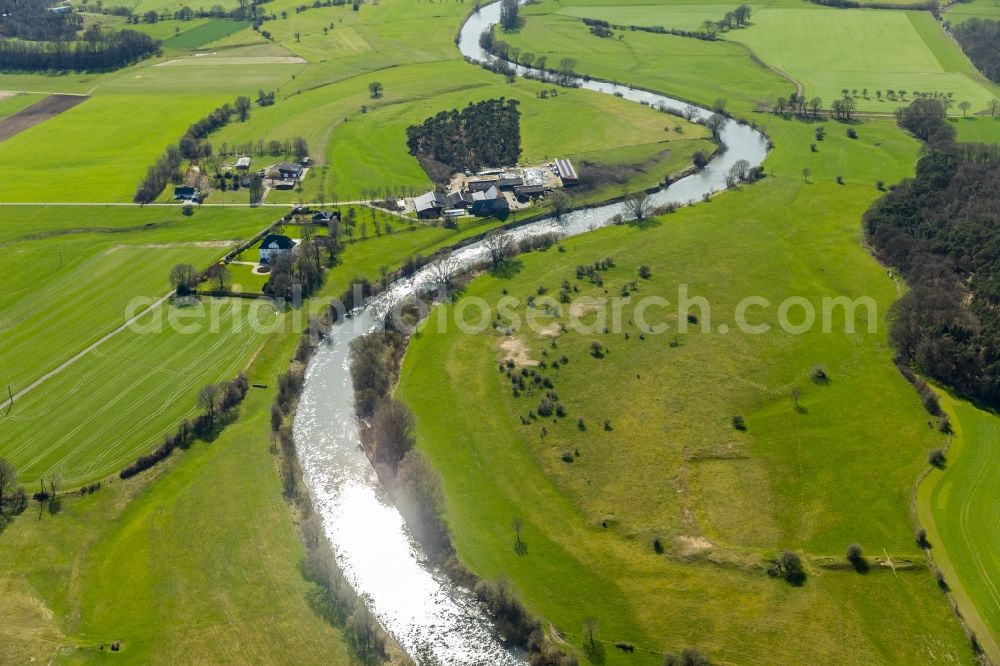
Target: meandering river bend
{"points": [[416, 603]]}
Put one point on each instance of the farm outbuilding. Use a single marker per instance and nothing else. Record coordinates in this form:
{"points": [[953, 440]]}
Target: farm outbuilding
{"points": [[567, 173], [480, 185], [489, 202], [325, 217], [273, 246], [243, 164], [430, 205], [286, 171]]}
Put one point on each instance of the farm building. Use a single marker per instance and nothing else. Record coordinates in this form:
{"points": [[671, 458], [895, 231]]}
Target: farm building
{"points": [[325, 217], [286, 171], [481, 185], [460, 199], [273, 246], [567, 173], [430, 205], [529, 191], [243, 164], [508, 181], [489, 202], [184, 193]]}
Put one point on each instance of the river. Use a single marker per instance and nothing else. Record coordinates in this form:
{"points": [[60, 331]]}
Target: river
{"points": [[417, 604]]}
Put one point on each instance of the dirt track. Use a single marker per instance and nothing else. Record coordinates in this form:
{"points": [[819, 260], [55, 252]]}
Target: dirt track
{"points": [[36, 113]]}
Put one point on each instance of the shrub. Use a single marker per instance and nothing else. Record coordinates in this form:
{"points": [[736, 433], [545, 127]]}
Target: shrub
{"points": [[921, 538], [545, 408], [937, 458], [856, 556], [852, 133], [788, 565], [580, 425], [644, 272], [819, 375], [739, 423], [597, 349]]}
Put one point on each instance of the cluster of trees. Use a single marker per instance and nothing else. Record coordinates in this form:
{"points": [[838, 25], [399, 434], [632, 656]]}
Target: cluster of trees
{"points": [[660, 30], [190, 146], [561, 74], [31, 20], [216, 401], [486, 133], [942, 230], [300, 273], [980, 39], [98, 50], [796, 104], [296, 147], [925, 119], [509, 15], [736, 18], [13, 499]]}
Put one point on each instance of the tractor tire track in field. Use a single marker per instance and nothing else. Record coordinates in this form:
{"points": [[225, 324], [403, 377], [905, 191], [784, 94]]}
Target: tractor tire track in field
{"points": [[38, 113], [80, 354]]}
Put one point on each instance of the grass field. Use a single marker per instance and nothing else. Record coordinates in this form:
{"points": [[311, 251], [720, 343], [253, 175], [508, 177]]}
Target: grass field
{"points": [[694, 69], [11, 105], [97, 151], [205, 561], [205, 33], [978, 130], [680, 16], [673, 467], [826, 50], [958, 506], [117, 402], [962, 11], [829, 49], [87, 264]]}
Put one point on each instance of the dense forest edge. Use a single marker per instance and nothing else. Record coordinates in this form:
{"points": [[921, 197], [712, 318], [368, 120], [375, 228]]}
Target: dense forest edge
{"points": [[941, 229]]}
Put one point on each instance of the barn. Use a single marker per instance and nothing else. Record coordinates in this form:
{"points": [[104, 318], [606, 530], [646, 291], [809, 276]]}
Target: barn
{"points": [[567, 173]]}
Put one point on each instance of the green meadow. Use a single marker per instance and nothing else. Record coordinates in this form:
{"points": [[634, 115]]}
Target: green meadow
{"points": [[97, 151], [205, 34], [193, 562], [958, 506], [17, 102], [87, 264], [824, 50], [117, 401], [962, 11], [671, 467]]}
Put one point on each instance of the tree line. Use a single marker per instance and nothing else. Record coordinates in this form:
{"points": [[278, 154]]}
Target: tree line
{"points": [[217, 401], [97, 51], [980, 39], [941, 229], [486, 133], [190, 146]]}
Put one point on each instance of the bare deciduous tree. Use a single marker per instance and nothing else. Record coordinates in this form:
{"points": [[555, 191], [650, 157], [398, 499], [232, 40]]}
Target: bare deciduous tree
{"points": [[500, 247], [638, 206]]}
